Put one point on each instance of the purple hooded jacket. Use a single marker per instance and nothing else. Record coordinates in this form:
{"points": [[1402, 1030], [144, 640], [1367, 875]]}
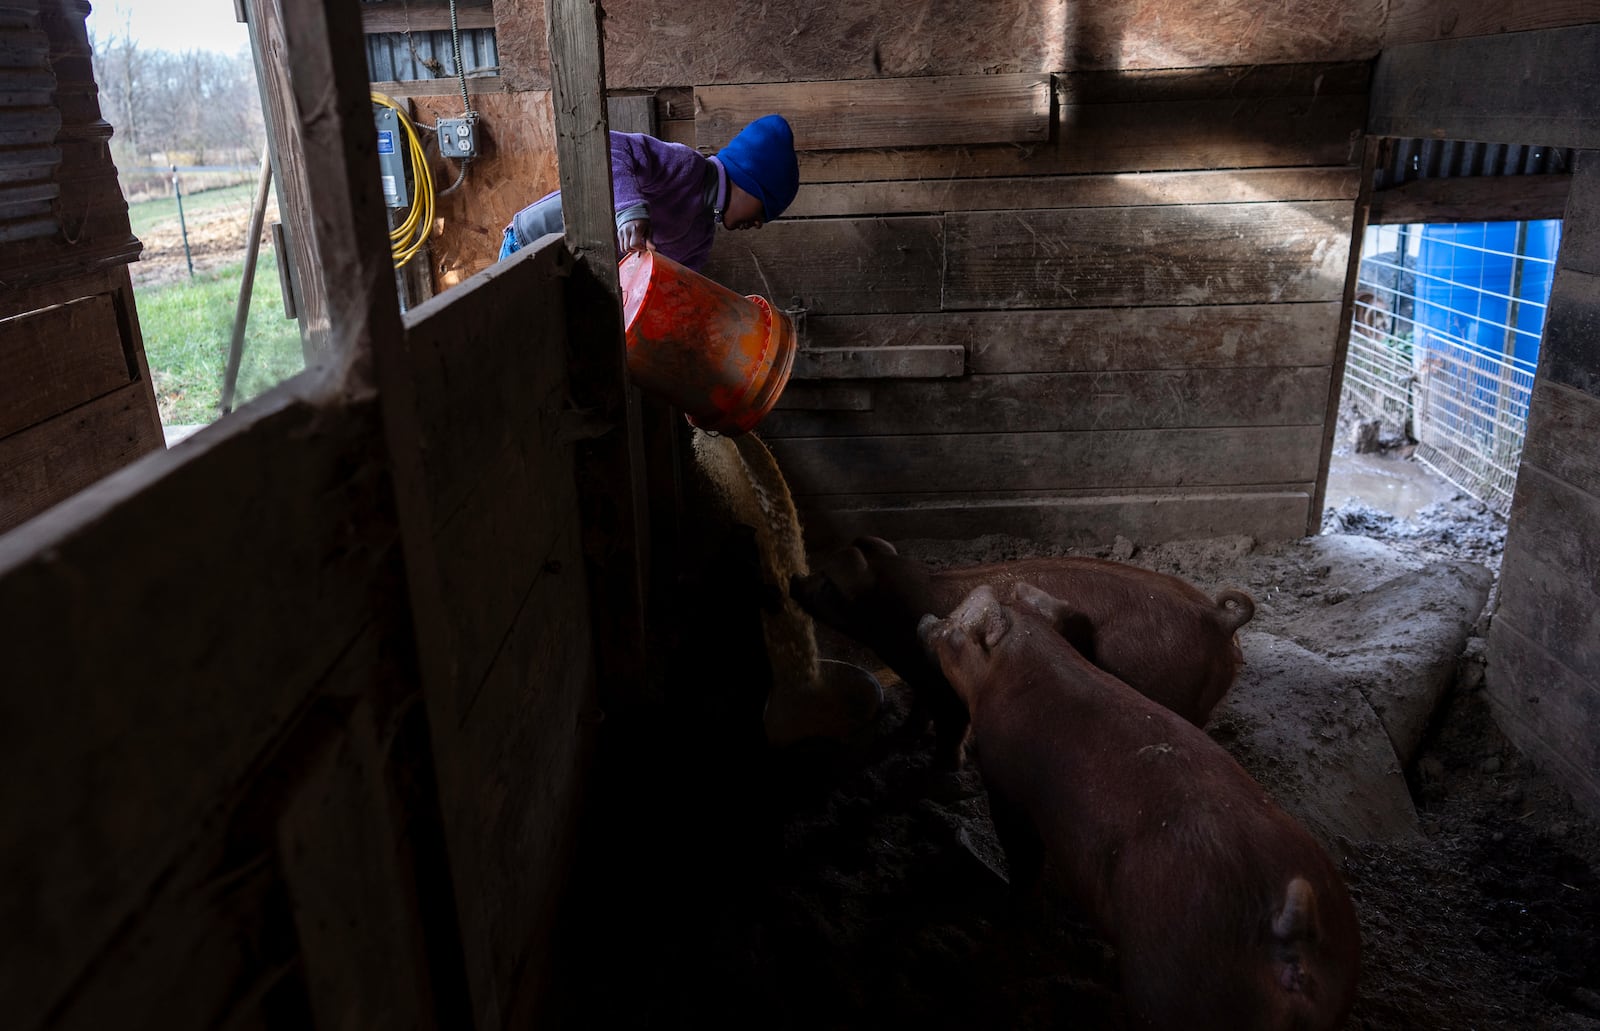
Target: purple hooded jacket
{"points": [[674, 186]]}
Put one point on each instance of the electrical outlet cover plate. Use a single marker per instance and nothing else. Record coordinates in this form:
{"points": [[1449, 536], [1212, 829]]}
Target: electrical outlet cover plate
{"points": [[458, 137]]}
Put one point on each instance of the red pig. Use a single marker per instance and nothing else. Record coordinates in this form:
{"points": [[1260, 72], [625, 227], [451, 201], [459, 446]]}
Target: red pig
{"points": [[1157, 633], [1225, 913]]}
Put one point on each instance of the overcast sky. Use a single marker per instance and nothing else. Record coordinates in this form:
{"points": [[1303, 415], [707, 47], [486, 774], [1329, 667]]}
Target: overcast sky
{"points": [[171, 24]]}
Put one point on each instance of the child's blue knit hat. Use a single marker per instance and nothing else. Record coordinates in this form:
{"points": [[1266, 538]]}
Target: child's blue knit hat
{"points": [[761, 160]]}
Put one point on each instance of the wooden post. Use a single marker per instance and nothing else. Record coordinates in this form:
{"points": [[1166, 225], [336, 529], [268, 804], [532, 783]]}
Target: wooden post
{"points": [[610, 467], [1341, 347], [369, 357]]}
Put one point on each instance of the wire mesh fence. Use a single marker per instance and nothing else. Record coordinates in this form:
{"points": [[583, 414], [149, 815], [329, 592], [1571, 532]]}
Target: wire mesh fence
{"points": [[1444, 343]]}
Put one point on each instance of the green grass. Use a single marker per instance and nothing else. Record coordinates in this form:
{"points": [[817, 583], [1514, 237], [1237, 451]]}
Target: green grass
{"points": [[146, 213], [187, 327]]}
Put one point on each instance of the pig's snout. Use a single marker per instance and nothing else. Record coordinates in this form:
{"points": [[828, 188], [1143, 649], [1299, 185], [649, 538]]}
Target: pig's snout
{"points": [[927, 626]]}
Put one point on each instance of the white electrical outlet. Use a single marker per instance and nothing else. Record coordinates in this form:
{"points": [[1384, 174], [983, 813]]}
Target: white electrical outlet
{"points": [[458, 137]]}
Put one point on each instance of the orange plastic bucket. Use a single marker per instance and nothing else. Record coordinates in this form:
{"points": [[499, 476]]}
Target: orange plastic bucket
{"points": [[721, 357]]}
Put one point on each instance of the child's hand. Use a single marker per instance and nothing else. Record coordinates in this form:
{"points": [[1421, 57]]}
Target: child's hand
{"points": [[635, 236]]}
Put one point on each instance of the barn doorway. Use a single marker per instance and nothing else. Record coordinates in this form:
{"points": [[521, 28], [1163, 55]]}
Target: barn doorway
{"points": [[1454, 277]]}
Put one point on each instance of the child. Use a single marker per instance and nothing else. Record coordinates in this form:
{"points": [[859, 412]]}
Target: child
{"points": [[670, 197]]}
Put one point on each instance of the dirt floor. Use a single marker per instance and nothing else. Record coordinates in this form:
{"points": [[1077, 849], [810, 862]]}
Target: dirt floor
{"points": [[217, 239], [845, 887]]}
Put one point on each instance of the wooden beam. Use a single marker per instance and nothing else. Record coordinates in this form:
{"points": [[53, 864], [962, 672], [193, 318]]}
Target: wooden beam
{"points": [[1124, 189], [1509, 198], [611, 474], [1341, 347], [919, 112], [1207, 254], [1540, 88]]}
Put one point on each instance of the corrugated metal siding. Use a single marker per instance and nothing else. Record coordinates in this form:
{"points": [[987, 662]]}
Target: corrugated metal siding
{"points": [[29, 124], [1409, 160], [404, 56]]}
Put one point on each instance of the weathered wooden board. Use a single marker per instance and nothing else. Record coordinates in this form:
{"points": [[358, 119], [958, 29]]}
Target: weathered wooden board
{"points": [[650, 44], [1370, 151], [1570, 351], [195, 962], [53, 460], [416, 16], [1038, 402], [1558, 522], [1088, 191], [1511, 198], [517, 166], [499, 388], [1580, 230], [631, 113], [1269, 132], [1079, 521], [358, 847], [1094, 339], [1110, 460], [1546, 709], [1559, 615], [612, 488], [917, 112], [58, 358], [1205, 254], [1563, 427], [519, 763], [1420, 21], [1540, 88], [825, 397], [119, 780], [836, 265], [893, 361]]}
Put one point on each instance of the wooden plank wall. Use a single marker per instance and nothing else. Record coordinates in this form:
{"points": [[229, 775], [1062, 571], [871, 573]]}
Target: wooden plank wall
{"points": [[1142, 341], [1527, 74], [297, 714], [74, 387], [232, 800], [1544, 644]]}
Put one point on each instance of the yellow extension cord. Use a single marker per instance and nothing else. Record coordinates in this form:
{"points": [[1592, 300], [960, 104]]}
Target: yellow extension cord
{"points": [[406, 239]]}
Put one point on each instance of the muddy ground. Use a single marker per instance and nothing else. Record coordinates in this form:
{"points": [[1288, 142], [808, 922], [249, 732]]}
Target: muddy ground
{"points": [[725, 885], [217, 238]]}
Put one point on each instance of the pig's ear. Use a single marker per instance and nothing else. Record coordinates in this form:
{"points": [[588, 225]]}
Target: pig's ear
{"points": [[994, 626], [875, 545]]}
